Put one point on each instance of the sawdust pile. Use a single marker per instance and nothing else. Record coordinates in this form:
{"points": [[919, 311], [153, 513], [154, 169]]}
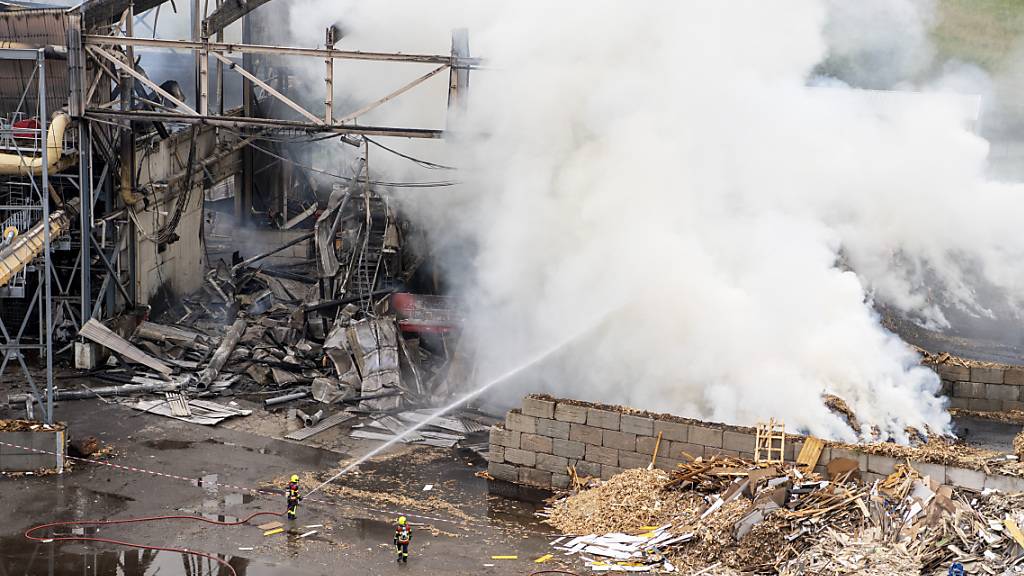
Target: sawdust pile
{"points": [[28, 426], [624, 503]]}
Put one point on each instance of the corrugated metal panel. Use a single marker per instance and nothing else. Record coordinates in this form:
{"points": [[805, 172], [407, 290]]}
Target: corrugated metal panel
{"points": [[38, 28]]}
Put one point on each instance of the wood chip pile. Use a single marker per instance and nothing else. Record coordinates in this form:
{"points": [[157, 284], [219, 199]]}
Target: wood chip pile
{"points": [[728, 514], [27, 426]]}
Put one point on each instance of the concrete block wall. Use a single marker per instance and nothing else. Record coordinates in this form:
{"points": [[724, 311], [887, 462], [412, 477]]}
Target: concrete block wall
{"points": [[540, 440], [996, 388], [32, 451]]}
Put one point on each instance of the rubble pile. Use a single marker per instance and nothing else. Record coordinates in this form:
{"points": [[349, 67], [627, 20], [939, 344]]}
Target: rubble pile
{"points": [[329, 336], [729, 514]]}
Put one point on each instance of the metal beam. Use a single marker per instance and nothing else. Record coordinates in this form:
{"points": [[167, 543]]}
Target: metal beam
{"points": [[142, 78], [263, 123], [270, 89], [393, 95], [229, 48], [228, 13]]}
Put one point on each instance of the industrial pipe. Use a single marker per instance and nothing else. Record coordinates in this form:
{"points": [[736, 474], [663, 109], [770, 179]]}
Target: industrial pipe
{"points": [[286, 398], [24, 248], [94, 392], [19, 164]]}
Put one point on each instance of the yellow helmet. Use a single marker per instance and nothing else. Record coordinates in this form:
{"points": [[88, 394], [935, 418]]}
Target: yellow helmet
{"points": [[401, 520], [295, 477]]}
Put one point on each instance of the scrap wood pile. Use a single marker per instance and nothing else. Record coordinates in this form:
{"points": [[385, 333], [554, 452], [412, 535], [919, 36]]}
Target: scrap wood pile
{"points": [[731, 514], [939, 450]]}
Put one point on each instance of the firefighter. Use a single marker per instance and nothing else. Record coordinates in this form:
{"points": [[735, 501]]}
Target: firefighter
{"points": [[403, 535], [293, 496]]}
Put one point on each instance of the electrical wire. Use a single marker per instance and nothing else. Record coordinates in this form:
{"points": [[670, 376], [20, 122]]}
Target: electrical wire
{"points": [[423, 163], [437, 184], [30, 533]]}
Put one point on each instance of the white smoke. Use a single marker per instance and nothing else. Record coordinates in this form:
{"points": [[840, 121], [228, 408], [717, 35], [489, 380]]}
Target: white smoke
{"points": [[666, 160]]}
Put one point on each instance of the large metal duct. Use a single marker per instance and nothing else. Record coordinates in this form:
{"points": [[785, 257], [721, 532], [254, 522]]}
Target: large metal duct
{"points": [[24, 248], [21, 165]]}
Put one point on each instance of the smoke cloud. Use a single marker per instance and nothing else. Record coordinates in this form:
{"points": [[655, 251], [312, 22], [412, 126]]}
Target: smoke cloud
{"points": [[666, 164]]}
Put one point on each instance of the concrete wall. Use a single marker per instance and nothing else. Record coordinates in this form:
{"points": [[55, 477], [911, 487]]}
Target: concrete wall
{"points": [[538, 442], [48, 443], [987, 389]]}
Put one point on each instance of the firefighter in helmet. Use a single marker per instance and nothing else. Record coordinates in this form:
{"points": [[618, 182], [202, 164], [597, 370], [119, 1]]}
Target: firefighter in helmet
{"points": [[403, 535], [293, 496]]}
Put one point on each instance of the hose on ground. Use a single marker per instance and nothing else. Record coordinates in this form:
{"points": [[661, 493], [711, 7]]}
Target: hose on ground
{"points": [[30, 533]]}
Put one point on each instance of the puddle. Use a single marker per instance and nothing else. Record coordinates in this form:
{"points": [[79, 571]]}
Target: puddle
{"points": [[167, 444], [20, 556]]}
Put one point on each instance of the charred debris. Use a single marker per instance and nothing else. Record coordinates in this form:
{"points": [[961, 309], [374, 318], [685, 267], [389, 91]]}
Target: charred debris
{"points": [[344, 332]]}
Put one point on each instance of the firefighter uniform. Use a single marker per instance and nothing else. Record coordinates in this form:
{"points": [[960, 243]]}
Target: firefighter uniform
{"points": [[403, 535], [293, 496]]}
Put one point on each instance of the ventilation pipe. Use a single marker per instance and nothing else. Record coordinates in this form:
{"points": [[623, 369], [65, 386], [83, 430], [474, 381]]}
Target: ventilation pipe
{"points": [[21, 165]]}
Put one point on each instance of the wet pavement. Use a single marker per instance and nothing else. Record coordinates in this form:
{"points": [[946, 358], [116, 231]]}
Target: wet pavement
{"points": [[212, 463]]}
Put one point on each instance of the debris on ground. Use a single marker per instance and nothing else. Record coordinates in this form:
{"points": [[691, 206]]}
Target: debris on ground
{"points": [[729, 515]]}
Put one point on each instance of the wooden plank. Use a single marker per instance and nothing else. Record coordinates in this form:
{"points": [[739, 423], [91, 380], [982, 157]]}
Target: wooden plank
{"points": [[810, 452], [103, 336]]}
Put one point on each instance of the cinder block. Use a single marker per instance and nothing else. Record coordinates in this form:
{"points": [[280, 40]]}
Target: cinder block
{"points": [[964, 478], [506, 472], [605, 419], [536, 443], [520, 422], [705, 436], [825, 457], [633, 460], [639, 425], [987, 375], [954, 372], [503, 437], [496, 453], [619, 440], [568, 448], [1013, 406], [937, 472], [572, 413], [534, 477], [946, 388], [737, 441], [984, 405], [1014, 376], [969, 390], [600, 455], [560, 481], [609, 471], [584, 468], [551, 463], [870, 477], [883, 465], [1003, 392], [1008, 484], [585, 434], [553, 428], [710, 451], [680, 450], [675, 431], [860, 457], [538, 408], [521, 457], [960, 403], [666, 464], [645, 445]]}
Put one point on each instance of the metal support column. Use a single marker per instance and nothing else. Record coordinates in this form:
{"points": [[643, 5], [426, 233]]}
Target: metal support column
{"points": [[44, 194]]}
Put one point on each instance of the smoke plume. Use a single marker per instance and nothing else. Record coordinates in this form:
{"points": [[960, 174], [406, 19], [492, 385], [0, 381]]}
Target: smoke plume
{"points": [[667, 162]]}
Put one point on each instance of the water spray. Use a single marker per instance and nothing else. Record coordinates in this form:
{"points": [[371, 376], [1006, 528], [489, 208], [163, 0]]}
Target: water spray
{"points": [[539, 358]]}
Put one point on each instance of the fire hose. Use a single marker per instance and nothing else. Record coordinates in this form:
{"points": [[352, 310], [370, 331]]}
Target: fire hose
{"points": [[30, 533]]}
